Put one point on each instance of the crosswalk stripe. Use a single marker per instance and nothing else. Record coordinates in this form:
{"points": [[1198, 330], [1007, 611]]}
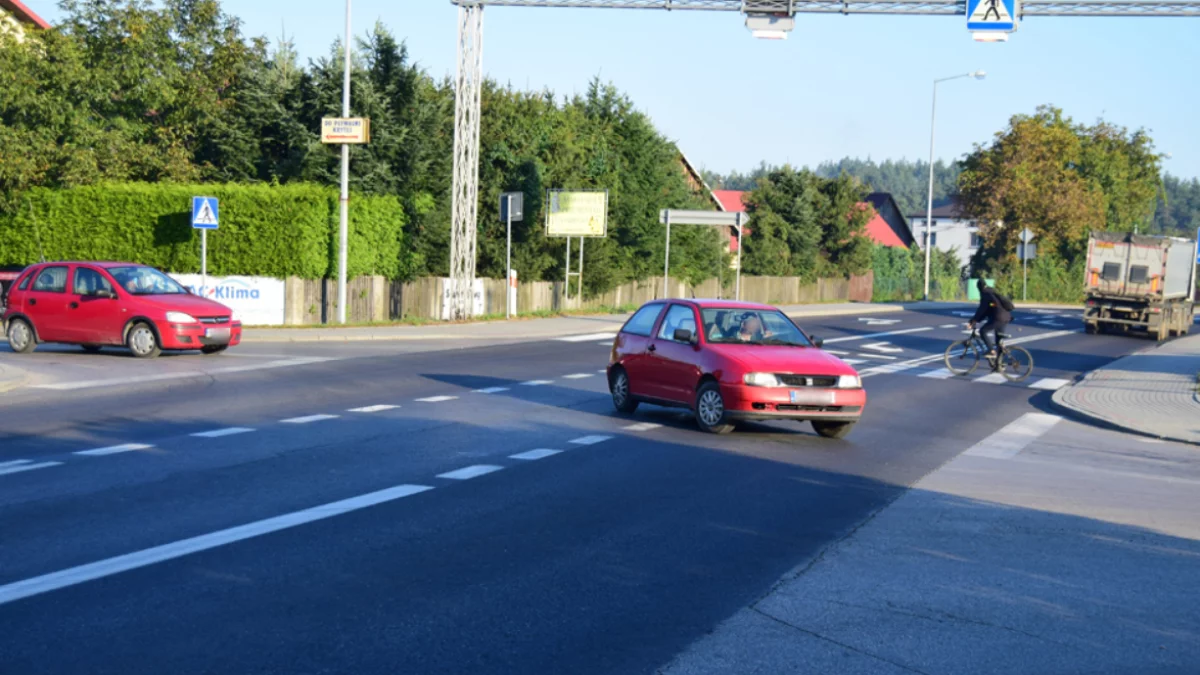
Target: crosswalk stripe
{"points": [[939, 374], [1050, 384]]}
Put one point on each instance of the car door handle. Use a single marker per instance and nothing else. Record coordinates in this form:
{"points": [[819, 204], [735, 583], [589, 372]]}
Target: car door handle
{"points": [[651, 348], [74, 305], [33, 301]]}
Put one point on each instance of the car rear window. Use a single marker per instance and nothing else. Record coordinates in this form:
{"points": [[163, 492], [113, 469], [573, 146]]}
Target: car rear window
{"points": [[642, 323], [51, 280]]}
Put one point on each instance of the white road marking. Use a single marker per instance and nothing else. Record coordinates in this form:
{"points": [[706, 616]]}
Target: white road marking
{"points": [[871, 321], [991, 378], [881, 357], [949, 325], [578, 376], [854, 361], [24, 465], [883, 347], [894, 367], [939, 374], [870, 336], [1012, 439], [130, 561], [183, 374], [490, 390], [880, 370], [606, 343], [966, 314], [590, 440], [644, 426], [436, 399], [114, 449], [836, 352], [1050, 384], [602, 372], [540, 453], [469, 472], [308, 419], [220, 433], [1050, 324], [590, 337], [536, 383], [373, 408]]}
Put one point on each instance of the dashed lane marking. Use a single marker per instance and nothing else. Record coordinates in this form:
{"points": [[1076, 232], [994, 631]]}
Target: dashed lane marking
{"points": [[114, 449], [308, 419], [1012, 439], [436, 399], [21, 465], [536, 383], [590, 337], [490, 390], [221, 433], [130, 561], [578, 376], [949, 325], [469, 472], [870, 336], [373, 408], [590, 440], [540, 453], [1050, 384], [854, 362], [644, 426]]}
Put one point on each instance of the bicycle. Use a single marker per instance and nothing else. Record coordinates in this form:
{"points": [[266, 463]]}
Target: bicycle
{"points": [[1013, 363]]}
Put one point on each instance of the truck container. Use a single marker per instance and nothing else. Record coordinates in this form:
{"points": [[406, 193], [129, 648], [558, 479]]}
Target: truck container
{"points": [[1140, 282]]}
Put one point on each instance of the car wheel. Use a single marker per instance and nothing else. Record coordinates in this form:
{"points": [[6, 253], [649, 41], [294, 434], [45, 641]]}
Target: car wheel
{"points": [[213, 349], [91, 349], [20, 336], [710, 409], [619, 386], [832, 429], [143, 342]]}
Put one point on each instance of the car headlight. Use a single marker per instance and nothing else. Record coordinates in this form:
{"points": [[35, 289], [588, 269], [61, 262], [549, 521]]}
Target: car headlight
{"points": [[180, 317], [762, 380], [849, 382]]}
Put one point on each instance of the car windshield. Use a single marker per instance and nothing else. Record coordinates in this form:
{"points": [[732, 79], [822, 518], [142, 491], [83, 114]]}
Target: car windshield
{"points": [[145, 281], [755, 327]]}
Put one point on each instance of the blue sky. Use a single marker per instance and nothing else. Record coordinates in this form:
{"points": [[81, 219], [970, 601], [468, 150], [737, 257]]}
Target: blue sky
{"points": [[839, 86]]}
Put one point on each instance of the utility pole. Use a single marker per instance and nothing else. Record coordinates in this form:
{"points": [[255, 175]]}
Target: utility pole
{"points": [[344, 199]]}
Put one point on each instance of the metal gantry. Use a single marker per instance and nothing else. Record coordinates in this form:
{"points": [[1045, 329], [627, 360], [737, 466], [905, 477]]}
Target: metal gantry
{"points": [[469, 82]]}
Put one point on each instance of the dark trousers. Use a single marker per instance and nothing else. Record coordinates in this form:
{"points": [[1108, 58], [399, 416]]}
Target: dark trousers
{"points": [[988, 332]]}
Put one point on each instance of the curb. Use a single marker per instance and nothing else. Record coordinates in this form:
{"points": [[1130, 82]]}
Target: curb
{"points": [[249, 337], [1097, 420]]}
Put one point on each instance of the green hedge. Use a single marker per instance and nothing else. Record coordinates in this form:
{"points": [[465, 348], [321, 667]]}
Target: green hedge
{"points": [[266, 230], [900, 275]]}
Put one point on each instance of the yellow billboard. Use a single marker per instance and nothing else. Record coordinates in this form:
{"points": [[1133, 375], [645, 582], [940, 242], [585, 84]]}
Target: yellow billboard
{"points": [[577, 214]]}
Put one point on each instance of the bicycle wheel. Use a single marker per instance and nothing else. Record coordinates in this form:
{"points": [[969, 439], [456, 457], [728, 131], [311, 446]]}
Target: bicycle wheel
{"points": [[1016, 364], [962, 358]]}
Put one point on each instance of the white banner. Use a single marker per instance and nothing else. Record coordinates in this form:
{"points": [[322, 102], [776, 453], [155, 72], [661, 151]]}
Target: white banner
{"points": [[255, 301], [477, 304]]}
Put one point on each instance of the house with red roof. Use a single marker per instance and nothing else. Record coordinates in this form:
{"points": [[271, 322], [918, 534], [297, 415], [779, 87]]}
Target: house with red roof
{"points": [[17, 19]]}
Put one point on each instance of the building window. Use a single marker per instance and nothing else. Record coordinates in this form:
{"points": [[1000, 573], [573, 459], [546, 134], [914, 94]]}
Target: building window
{"points": [[976, 240], [933, 239]]}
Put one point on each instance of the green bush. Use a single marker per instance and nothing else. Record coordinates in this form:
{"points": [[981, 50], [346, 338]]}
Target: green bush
{"points": [[266, 230], [900, 275]]}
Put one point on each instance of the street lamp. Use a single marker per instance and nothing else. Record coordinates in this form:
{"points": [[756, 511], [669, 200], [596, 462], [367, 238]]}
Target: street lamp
{"points": [[979, 75]]}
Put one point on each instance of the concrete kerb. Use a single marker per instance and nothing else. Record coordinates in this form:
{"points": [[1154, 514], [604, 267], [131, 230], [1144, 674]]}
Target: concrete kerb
{"points": [[468, 331]]}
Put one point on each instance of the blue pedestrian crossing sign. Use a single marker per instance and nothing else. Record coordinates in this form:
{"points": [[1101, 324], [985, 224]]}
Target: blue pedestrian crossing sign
{"points": [[992, 15], [205, 214]]}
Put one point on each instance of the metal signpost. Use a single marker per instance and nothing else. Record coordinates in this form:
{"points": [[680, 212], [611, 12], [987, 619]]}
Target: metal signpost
{"points": [[512, 207], [1025, 251], [206, 215], [713, 218], [579, 213]]}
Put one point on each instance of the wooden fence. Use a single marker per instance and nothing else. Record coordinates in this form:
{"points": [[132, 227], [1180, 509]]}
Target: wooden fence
{"points": [[376, 299]]}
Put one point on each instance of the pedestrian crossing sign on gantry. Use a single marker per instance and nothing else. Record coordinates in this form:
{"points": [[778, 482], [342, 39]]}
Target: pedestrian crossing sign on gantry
{"points": [[992, 15], [205, 214]]}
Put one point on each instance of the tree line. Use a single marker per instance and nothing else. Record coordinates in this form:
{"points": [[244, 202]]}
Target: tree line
{"points": [[174, 92]]}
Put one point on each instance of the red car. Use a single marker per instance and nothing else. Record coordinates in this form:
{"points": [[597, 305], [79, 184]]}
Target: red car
{"points": [[98, 304], [746, 362]]}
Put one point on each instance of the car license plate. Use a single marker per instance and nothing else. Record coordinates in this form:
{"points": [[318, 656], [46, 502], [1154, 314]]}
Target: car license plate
{"points": [[811, 397], [217, 334]]}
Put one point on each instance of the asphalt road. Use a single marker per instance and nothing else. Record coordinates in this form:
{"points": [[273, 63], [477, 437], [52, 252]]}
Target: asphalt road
{"points": [[389, 509]]}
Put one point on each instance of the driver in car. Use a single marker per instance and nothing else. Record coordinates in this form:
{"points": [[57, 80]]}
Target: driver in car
{"points": [[751, 329]]}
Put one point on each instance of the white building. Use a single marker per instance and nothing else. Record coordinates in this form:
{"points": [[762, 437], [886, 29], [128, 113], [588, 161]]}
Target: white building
{"points": [[950, 229]]}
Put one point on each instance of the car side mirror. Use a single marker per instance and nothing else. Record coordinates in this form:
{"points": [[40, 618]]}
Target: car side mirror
{"points": [[818, 342], [685, 335]]}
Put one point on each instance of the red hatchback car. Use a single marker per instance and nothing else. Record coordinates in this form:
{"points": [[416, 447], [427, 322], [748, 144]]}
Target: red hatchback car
{"points": [[731, 361], [98, 304]]}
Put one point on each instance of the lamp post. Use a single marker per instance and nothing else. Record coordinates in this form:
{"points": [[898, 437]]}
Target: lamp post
{"points": [[979, 75], [344, 196]]}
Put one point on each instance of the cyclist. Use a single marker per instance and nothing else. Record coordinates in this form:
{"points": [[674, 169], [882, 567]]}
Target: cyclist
{"points": [[997, 309]]}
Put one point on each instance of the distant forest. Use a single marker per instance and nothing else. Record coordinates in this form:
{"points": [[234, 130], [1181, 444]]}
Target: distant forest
{"points": [[1178, 211]]}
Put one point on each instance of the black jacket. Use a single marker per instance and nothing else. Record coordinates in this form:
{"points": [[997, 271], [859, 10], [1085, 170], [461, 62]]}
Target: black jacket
{"points": [[991, 309]]}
